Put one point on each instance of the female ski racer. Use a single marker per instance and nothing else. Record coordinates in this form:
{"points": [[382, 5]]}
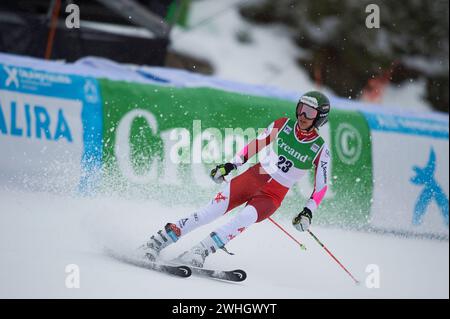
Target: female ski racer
{"points": [[295, 147]]}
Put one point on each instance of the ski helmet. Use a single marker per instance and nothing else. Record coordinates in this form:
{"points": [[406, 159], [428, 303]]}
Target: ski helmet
{"points": [[318, 101]]}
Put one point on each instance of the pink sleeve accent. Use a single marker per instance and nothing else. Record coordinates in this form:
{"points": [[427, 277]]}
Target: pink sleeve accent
{"points": [[243, 152], [317, 197]]}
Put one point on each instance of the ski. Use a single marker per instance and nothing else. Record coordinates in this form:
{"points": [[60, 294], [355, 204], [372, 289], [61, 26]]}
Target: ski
{"points": [[236, 275], [176, 270], [179, 271]]}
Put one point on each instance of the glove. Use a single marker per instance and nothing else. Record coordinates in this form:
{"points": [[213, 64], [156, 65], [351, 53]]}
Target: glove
{"points": [[303, 220], [222, 170]]}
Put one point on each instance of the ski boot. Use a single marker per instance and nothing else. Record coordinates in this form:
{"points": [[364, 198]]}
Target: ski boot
{"points": [[160, 240], [196, 255]]}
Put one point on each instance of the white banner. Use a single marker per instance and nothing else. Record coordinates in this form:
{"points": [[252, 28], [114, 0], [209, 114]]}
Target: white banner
{"points": [[411, 183]]}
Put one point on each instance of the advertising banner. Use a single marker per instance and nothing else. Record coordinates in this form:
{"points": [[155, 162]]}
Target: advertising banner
{"points": [[163, 141], [410, 163], [50, 128], [389, 171]]}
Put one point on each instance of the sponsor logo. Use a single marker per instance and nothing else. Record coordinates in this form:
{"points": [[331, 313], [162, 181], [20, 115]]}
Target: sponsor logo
{"points": [[12, 77], [349, 143], [431, 191], [315, 148], [16, 76], [324, 167], [90, 92], [220, 197], [287, 129], [123, 149], [291, 151], [310, 101], [183, 222], [34, 121], [408, 125]]}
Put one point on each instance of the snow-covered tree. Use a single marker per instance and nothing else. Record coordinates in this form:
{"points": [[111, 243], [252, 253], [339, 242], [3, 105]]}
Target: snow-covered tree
{"points": [[345, 54]]}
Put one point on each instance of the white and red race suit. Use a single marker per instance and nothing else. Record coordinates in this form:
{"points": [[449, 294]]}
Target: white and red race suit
{"points": [[289, 154]]}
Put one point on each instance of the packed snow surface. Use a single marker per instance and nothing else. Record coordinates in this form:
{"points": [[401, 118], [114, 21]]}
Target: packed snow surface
{"points": [[42, 234]]}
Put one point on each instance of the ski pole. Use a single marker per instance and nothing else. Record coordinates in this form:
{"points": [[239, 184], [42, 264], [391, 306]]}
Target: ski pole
{"points": [[290, 236], [329, 253]]}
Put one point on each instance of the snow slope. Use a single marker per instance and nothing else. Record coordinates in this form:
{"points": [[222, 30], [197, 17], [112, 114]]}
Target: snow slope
{"points": [[42, 233]]}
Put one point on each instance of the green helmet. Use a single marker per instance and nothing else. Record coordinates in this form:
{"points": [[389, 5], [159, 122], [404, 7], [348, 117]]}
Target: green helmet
{"points": [[318, 101]]}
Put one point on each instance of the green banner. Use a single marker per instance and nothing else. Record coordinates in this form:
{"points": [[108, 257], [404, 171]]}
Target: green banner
{"points": [[351, 174], [161, 143]]}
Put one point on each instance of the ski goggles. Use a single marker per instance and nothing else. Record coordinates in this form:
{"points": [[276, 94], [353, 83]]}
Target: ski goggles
{"points": [[309, 112]]}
